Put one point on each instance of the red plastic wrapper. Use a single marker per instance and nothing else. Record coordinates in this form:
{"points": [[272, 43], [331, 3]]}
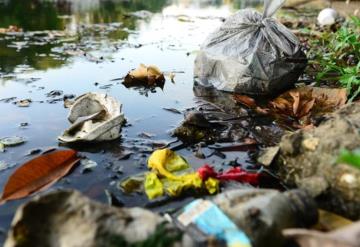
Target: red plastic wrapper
{"points": [[233, 174]]}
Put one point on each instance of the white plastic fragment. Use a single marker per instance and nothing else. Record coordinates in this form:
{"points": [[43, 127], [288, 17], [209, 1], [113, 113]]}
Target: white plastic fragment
{"points": [[12, 141], [327, 17], [94, 117], [87, 165]]}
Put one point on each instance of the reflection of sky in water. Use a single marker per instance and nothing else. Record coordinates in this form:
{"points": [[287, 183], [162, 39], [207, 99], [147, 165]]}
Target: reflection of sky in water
{"points": [[166, 41]]}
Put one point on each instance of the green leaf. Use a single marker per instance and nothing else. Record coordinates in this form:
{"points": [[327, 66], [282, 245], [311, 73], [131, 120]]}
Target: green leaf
{"points": [[350, 157]]}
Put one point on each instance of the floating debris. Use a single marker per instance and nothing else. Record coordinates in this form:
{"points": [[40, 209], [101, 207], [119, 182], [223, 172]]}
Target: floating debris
{"points": [[54, 93], [23, 103], [94, 117], [173, 110], [38, 174], [12, 141], [4, 165], [150, 76], [87, 165]]}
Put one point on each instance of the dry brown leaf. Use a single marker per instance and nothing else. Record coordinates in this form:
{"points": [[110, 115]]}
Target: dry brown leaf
{"points": [[145, 75], [38, 174], [281, 104], [302, 103], [140, 73], [245, 100], [296, 97], [306, 107]]}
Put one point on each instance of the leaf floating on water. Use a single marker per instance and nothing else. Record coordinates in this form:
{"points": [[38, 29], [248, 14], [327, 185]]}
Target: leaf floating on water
{"points": [[145, 76], [12, 141], [38, 174]]}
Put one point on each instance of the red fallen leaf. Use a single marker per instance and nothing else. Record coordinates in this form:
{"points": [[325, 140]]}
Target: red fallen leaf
{"points": [[234, 174], [38, 174], [245, 100]]}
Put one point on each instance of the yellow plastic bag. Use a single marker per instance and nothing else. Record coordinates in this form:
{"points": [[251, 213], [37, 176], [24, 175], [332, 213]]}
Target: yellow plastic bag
{"points": [[166, 161], [163, 163], [153, 186], [212, 185], [184, 182]]}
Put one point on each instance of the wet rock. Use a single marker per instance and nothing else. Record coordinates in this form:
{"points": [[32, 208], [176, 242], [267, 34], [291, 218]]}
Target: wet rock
{"points": [[68, 96], [267, 156], [68, 219], [307, 159], [197, 119], [263, 213], [191, 134]]}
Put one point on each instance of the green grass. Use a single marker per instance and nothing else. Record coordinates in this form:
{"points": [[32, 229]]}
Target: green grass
{"points": [[336, 57], [350, 157]]}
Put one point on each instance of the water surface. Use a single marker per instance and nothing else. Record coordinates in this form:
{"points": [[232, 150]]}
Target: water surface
{"points": [[86, 46]]}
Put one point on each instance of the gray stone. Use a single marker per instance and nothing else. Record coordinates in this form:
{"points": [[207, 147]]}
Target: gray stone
{"points": [[307, 159], [69, 219]]}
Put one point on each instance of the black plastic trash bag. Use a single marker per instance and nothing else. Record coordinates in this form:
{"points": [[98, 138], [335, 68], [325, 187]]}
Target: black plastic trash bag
{"points": [[251, 53]]}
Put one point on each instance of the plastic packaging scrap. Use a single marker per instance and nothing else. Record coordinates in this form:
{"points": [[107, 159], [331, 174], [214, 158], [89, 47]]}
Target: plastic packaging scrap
{"points": [[171, 174], [235, 174], [258, 217], [251, 53], [94, 117], [202, 214]]}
